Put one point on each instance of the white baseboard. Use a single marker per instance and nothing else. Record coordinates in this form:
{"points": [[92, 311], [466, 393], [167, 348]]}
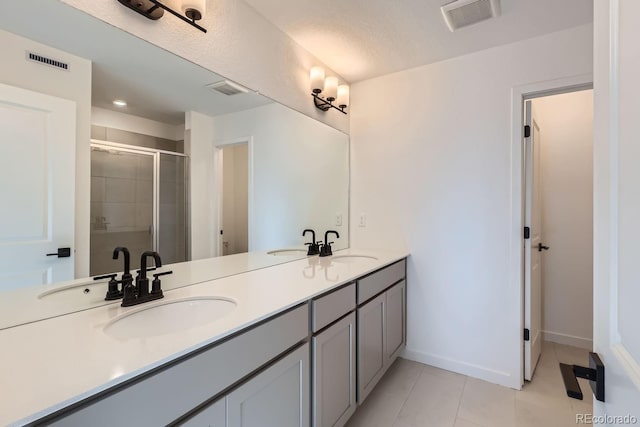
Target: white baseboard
{"points": [[566, 339], [469, 369]]}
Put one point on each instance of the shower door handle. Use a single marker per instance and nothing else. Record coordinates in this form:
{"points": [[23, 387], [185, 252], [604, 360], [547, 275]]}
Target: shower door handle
{"points": [[62, 253]]}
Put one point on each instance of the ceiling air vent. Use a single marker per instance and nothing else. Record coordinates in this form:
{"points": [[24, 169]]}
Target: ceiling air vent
{"points": [[31, 56], [462, 13], [228, 88]]}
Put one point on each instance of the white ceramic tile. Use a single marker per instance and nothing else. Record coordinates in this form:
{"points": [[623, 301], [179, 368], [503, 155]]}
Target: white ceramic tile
{"points": [[487, 404], [144, 191], [119, 215], [120, 166], [464, 423], [380, 409], [572, 355], [533, 415], [401, 377], [433, 401], [97, 189], [144, 216], [168, 192], [120, 190]]}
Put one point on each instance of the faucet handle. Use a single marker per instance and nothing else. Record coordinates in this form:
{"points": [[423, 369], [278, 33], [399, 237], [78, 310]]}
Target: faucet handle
{"points": [[148, 269], [106, 276], [156, 288]]}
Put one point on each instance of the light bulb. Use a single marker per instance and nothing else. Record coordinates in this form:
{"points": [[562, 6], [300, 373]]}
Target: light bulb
{"points": [[343, 96], [316, 76], [194, 9], [331, 88]]}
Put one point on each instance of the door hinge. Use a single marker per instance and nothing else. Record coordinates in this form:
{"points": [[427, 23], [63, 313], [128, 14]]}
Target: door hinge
{"points": [[526, 335], [527, 233], [527, 131]]}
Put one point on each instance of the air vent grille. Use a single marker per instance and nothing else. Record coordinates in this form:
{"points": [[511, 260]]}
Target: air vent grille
{"points": [[31, 56], [228, 88], [462, 13]]}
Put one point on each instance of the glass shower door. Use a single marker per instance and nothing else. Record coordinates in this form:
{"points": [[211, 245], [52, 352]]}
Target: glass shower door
{"points": [[122, 206], [172, 212]]}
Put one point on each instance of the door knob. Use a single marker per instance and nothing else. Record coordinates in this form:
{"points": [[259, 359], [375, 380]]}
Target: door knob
{"points": [[542, 247], [62, 253]]}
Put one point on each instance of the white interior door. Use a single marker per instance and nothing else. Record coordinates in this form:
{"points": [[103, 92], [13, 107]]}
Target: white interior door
{"points": [[617, 206], [37, 183], [532, 253]]}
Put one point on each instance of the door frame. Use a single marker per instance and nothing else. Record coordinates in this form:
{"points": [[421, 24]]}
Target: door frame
{"points": [[217, 196], [516, 241]]}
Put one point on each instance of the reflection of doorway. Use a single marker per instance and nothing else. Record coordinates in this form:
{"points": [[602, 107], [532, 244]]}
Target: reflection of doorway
{"points": [[558, 266], [235, 199]]}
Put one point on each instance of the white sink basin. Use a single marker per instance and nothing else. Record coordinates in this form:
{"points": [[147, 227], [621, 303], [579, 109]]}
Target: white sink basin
{"points": [[288, 252], [352, 258], [169, 317], [89, 292]]}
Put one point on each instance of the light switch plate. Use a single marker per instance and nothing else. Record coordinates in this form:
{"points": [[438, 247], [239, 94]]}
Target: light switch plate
{"points": [[363, 220], [338, 219]]}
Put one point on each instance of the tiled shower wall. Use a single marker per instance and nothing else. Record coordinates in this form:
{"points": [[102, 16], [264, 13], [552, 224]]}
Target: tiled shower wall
{"points": [[122, 201]]}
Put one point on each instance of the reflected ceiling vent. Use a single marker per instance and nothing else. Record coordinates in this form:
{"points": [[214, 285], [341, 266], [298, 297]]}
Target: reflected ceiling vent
{"points": [[462, 13], [228, 88], [31, 56]]}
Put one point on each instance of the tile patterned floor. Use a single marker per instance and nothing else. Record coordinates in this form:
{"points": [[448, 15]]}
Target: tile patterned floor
{"points": [[416, 395]]}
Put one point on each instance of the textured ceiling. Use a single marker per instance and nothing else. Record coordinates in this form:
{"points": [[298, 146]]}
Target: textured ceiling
{"points": [[361, 39]]}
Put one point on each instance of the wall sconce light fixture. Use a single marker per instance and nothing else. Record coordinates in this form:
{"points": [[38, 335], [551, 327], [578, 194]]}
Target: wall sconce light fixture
{"points": [[335, 95], [192, 10]]}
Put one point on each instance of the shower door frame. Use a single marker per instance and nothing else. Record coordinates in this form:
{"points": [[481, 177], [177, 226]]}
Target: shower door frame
{"points": [[155, 153]]}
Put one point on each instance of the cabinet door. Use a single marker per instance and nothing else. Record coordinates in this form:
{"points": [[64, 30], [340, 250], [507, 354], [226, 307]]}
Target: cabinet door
{"points": [[276, 397], [371, 349], [395, 321], [213, 415], [334, 374]]}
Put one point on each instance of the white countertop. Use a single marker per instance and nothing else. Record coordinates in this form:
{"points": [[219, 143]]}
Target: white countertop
{"points": [[25, 305], [51, 364]]}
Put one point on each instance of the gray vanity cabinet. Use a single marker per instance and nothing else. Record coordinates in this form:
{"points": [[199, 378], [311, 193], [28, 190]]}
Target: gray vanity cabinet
{"points": [[214, 415], [371, 350], [334, 373], [333, 323], [381, 324], [395, 325], [278, 396]]}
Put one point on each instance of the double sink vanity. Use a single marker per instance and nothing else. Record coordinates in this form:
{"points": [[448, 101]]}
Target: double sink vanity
{"points": [[295, 344]]}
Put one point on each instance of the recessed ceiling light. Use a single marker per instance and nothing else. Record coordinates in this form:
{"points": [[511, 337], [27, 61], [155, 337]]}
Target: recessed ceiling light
{"points": [[120, 103]]}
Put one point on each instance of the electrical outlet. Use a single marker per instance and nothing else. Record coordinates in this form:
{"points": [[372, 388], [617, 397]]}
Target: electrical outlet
{"points": [[363, 220], [338, 219]]}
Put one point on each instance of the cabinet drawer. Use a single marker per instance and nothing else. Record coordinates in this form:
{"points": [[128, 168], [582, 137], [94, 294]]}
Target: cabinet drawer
{"points": [[377, 282], [329, 308], [179, 388]]}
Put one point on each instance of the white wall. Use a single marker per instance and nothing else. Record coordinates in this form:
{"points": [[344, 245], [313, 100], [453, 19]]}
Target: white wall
{"points": [[74, 84], [235, 198], [131, 123], [300, 175], [432, 172], [198, 145], [566, 148], [240, 44]]}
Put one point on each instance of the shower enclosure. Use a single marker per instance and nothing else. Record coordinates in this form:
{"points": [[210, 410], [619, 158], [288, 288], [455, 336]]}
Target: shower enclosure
{"points": [[138, 200]]}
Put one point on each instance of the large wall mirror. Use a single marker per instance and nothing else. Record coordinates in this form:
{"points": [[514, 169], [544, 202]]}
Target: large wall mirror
{"points": [[107, 140]]}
